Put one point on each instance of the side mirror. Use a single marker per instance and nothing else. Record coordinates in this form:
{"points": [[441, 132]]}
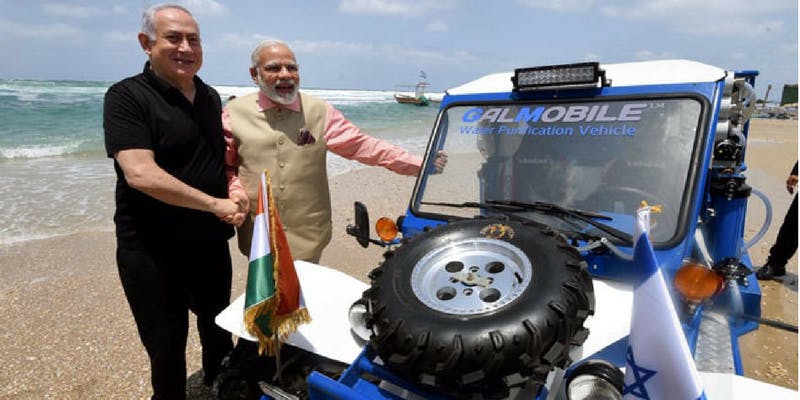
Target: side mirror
{"points": [[361, 229]]}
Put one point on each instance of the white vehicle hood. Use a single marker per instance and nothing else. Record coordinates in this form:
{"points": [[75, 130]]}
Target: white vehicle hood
{"points": [[329, 294]]}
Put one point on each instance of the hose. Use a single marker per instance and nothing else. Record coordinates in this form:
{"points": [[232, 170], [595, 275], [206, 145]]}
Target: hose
{"points": [[605, 242], [767, 219], [737, 310], [699, 238]]}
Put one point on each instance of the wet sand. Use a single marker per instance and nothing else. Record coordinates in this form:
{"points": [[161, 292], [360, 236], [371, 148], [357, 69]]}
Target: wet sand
{"points": [[67, 331]]}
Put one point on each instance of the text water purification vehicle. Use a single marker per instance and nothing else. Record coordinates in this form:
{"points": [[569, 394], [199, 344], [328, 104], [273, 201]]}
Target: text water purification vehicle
{"points": [[514, 275]]}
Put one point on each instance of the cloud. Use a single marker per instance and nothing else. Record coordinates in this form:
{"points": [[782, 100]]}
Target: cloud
{"points": [[384, 52], [647, 55], [120, 37], [63, 10], [738, 55], [788, 49], [592, 57], [349, 49], [71, 11], [405, 8], [237, 41], [208, 8], [724, 18], [61, 32], [558, 5], [733, 28], [437, 26], [307, 46], [731, 18], [671, 9]]}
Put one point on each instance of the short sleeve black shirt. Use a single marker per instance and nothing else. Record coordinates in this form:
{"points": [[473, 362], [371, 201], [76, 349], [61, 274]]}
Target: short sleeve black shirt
{"points": [[145, 112]]}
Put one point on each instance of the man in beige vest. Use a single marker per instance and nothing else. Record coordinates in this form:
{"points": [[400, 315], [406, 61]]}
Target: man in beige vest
{"points": [[289, 133]]}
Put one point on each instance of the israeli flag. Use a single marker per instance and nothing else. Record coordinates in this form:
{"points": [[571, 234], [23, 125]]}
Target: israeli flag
{"points": [[658, 362]]}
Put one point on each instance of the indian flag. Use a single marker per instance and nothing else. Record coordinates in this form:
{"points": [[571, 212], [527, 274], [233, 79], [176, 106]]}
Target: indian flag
{"points": [[274, 304]]}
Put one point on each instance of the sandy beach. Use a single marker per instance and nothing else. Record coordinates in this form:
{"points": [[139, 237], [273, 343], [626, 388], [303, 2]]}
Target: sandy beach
{"points": [[67, 331], [770, 354]]}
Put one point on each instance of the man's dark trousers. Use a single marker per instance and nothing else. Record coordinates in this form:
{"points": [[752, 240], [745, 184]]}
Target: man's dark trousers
{"points": [[786, 242], [162, 286]]}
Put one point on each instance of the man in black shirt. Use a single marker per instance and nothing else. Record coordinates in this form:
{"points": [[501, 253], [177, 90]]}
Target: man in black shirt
{"points": [[162, 128], [786, 243]]}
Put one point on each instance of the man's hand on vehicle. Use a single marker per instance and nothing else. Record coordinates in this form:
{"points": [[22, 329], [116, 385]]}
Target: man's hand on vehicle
{"points": [[791, 183], [440, 162]]}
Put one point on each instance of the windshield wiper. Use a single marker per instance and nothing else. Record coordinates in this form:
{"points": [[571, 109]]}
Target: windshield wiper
{"points": [[507, 206], [585, 216], [540, 206], [505, 209]]}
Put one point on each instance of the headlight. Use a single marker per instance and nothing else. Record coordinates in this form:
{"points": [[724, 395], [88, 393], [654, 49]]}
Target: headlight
{"points": [[358, 319], [595, 380]]}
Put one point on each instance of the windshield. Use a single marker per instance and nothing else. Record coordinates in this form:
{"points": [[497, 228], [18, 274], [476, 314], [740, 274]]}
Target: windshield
{"points": [[600, 156]]}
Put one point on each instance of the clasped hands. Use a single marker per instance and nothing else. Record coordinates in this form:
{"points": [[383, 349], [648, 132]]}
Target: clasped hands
{"points": [[234, 209]]}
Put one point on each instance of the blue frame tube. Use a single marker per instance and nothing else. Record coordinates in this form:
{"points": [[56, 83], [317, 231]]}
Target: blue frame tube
{"points": [[320, 387]]}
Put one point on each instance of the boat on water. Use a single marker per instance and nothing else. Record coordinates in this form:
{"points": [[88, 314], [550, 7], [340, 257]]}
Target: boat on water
{"points": [[413, 94]]}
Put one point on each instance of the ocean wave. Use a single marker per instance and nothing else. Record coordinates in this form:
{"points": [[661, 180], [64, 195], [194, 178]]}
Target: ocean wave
{"points": [[333, 96], [349, 97], [29, 91], [63, 92], [46, 151], [227, 91], [46, 197]]}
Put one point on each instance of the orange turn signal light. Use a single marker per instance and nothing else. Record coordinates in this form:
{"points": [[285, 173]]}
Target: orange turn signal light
{"points": [[386, 229], [696, 282]]}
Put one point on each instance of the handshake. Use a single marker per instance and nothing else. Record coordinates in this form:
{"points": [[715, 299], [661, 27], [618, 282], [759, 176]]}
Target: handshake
{"points": [[234, 209]]}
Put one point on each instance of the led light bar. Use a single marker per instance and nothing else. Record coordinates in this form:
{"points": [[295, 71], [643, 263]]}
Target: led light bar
{"points": [[553, 76]]}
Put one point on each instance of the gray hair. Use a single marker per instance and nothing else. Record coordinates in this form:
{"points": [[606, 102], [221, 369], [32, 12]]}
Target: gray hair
{"points": [[149, 17], [263, 45]]}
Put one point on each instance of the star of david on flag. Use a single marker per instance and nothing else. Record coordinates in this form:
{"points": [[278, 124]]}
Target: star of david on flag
{"points": [[658, 363]]}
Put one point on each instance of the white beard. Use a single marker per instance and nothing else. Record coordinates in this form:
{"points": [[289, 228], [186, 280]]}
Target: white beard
{"points": [[272, 94]]}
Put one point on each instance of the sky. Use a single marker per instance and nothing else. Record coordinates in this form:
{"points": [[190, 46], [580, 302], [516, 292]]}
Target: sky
{"points": [[376, 44]]}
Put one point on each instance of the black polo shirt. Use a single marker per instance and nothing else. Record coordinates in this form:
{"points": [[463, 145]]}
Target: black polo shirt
{"points": [[145, 112]]}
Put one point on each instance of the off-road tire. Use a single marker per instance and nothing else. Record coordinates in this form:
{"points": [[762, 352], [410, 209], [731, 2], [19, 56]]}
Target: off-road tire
{"points": [[485, 351]]}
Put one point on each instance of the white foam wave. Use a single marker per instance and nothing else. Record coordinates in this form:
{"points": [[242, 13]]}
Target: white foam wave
{"points": [[347, 97], [52, 197], [54, 92], [228, 91], [333, 96], [38, 151], [51, 92]]}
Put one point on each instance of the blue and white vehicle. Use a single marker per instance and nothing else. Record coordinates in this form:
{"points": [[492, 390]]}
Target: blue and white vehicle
{"points": [[511, 273]]}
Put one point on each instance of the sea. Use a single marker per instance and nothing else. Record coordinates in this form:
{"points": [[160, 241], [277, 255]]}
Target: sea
{"points": [[55, 177]]}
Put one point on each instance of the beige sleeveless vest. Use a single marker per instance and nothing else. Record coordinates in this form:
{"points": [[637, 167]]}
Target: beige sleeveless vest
{"points": [[298, 173]]}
